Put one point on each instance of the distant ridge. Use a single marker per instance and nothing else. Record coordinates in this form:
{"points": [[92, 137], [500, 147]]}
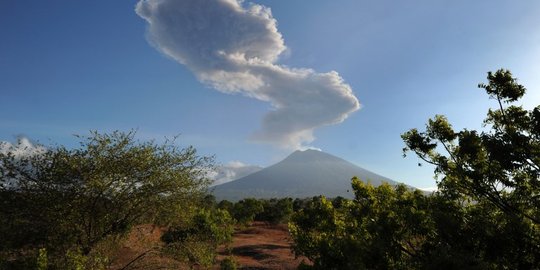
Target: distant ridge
{"points": [[302, 174]]}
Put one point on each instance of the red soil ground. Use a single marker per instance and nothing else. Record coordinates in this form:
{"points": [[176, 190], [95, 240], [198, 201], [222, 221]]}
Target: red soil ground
{"points": [[258, 247], [263, 246]]}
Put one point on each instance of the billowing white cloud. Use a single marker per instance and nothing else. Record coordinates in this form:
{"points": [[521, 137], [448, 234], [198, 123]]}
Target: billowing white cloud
{"points": [[234, 46], [232, 171]]}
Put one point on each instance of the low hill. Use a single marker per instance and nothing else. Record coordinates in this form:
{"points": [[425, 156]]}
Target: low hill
{"points": [[302, 174]]}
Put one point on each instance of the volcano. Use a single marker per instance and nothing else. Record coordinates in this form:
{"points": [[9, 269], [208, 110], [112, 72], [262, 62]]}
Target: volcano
{"points": [[302, 174]]}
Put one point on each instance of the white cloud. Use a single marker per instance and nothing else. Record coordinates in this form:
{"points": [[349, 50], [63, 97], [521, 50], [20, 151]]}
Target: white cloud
{"points": [[232, 171], [310, 148], [429, 189], [233, 47], [23, 148]]}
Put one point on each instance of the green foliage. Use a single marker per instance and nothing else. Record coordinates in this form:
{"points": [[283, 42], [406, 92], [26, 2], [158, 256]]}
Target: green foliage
{"points": [[215, 226], [197, 242], [226, 205], [75, 260], [275, 210], [299, 204], [381, 228], [485, 215], [500, 165], [395, 228], [339, 202], [496, 170], [228, 263], [42, 263], [209, 201], [75, 199], [244, 211]]}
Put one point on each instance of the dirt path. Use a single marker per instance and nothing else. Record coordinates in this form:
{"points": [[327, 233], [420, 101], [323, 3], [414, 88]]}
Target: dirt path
{"points": [[263, 246]]}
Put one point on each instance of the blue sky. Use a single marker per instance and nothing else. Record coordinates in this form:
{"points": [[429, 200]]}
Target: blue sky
{"points": [[67, 67]]}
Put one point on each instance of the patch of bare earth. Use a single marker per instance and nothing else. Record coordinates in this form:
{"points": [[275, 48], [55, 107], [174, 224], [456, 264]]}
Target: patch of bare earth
{"points": [[140, 251], [262, 246], [258, 247]]}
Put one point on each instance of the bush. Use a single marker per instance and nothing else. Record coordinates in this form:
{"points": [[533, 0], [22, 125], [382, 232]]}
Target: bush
{"points": [[275, 211], [245, 210], [197, 241], [228, 263]]}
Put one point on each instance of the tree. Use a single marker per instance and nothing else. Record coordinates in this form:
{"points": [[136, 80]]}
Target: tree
{"points": [[275, 211], [74, 199], [244, 211], [494, 173], [384, 227], [500, 165], [226, 205], [484, 216], [388, 227]]}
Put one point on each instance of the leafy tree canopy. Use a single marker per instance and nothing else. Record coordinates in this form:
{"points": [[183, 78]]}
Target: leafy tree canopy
{"points": [[500, 165], [244, 211], [486, 214], [77, 198]]}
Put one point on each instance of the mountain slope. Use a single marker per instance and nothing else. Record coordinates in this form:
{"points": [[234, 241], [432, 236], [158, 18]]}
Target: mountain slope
{"points": [[302, 174]]}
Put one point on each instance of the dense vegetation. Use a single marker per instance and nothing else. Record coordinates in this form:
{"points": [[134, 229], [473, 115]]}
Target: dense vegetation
{"points": [[71, 208], [485, 215], [271, 211]]}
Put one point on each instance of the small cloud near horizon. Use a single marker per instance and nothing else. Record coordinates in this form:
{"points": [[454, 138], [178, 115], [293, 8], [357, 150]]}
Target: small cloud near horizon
{"points": [[429, 189], [233, 46], [231, 171]]}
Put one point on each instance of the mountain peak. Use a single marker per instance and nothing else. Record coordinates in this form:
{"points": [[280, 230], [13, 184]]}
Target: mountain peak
{"points": [[302, 174], [305, 151], [310, 155]]}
